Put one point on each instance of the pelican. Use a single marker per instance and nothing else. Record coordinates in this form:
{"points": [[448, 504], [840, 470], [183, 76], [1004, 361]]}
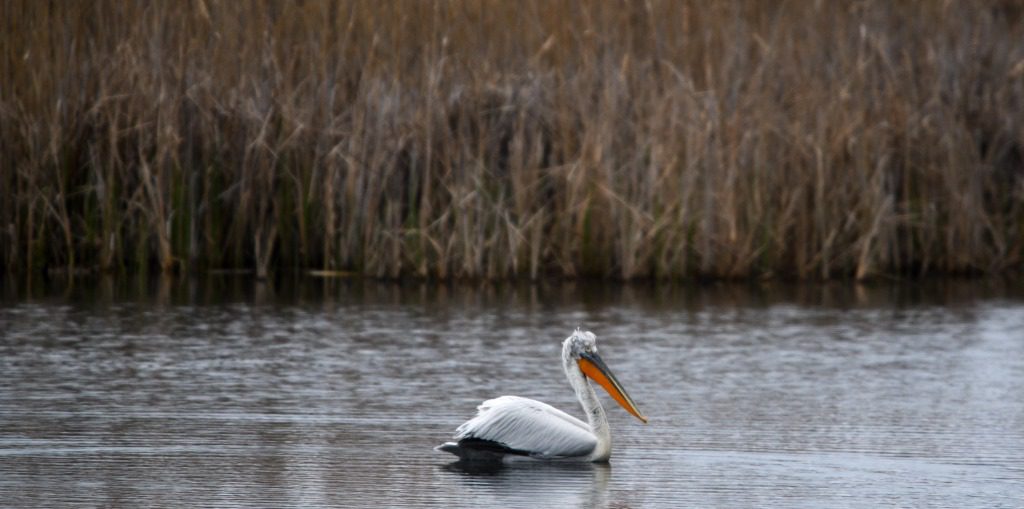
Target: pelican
{"points": [[511, 426]]}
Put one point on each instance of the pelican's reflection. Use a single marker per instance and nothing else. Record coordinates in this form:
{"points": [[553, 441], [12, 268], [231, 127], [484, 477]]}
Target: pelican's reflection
{"points": [[548, 483]]}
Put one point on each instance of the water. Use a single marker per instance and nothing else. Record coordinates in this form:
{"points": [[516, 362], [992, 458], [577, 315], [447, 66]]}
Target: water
{"points": [[332, 393]]}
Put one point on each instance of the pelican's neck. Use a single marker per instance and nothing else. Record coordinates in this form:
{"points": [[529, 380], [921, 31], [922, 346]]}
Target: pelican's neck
{"points": [[596, 417]]}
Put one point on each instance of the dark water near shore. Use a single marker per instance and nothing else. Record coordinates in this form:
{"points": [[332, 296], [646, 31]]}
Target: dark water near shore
{"points": [[331, 393]]}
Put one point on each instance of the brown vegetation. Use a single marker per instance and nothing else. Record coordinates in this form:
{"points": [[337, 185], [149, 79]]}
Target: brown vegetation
{"points": [[666, 138]]}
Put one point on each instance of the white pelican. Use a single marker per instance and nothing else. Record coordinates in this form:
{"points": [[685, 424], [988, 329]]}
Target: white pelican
{"points": [[513, 426]]}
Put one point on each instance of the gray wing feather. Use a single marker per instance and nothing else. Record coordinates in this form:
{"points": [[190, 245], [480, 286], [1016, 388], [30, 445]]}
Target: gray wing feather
{"points": [[529, 425]]}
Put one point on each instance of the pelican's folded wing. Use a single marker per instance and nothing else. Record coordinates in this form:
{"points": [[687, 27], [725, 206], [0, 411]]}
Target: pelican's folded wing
{"points": [[531, 426]]}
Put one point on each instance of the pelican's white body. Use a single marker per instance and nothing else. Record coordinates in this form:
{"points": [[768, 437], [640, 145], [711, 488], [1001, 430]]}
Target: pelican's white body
{"points": [[539, 430]]}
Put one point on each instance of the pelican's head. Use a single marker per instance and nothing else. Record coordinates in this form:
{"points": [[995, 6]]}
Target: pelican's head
{"points": [[581, 348]]}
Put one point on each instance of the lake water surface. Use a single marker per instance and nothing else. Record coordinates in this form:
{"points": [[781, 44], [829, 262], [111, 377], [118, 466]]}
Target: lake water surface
{"points": [[328, 393]]}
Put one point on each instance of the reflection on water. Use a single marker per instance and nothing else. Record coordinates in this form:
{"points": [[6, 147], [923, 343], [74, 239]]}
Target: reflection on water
{"points": [[527, 484], [333, 393]]}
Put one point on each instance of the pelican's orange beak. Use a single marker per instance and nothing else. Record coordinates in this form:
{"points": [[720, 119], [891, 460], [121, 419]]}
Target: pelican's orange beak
{"points": [[595, 369]]}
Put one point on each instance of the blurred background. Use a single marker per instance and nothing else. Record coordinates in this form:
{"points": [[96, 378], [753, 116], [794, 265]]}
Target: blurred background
{"points": [[657, 139]]}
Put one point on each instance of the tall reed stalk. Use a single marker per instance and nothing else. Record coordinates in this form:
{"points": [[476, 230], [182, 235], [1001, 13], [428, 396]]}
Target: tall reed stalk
{"points": [[473, 138]]}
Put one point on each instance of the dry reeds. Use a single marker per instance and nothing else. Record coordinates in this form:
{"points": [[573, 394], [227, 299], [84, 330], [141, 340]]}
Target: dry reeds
{"points": [[487, 139]]}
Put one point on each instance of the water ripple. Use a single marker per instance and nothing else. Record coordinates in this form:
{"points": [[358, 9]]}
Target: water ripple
{"points": [[339, 402]]}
